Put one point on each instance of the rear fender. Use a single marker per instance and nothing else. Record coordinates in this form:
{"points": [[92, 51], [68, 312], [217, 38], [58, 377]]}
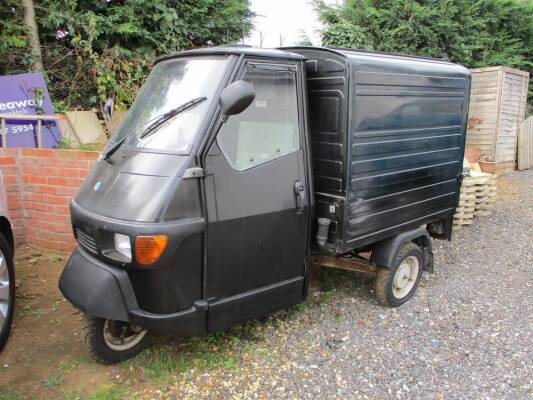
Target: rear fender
{"points": [[384, 252]]}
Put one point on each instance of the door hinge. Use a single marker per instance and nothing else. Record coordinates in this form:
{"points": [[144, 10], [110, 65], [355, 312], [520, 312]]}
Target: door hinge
{"points": [[193, 173]]}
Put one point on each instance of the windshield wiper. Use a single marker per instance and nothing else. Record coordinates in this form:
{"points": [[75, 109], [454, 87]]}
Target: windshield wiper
{"points": [[169, 114], [154, 124]]}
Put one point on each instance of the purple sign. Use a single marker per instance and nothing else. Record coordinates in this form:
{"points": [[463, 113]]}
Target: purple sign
{"points": [[27, 94]]}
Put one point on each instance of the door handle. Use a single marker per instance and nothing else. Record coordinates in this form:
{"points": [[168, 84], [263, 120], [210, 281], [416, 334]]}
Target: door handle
{"points": [[299, 196]]}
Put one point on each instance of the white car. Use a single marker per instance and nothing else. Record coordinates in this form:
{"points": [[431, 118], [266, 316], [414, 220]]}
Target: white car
{"points": [[7, 271]]}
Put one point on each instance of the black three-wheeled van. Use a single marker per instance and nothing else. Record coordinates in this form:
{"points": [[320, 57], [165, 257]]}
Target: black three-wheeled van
{"points": [[236, 168]]}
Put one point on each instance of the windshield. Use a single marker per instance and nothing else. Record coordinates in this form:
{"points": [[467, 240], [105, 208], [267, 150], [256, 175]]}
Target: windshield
{"points": [[171, 84]]}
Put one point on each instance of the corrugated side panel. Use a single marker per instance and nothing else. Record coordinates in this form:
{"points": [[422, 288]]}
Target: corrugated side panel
{"points": [[408, 131]]}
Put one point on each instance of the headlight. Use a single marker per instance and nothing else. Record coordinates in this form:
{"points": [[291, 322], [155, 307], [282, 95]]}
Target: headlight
{"points": [[123, 245]]}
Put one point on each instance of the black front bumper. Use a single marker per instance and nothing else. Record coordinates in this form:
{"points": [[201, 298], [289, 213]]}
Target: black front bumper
{"points": [[104, 291]]}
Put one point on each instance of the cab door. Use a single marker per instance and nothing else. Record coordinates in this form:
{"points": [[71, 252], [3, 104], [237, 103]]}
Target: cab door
{"points": [[258, 209]]}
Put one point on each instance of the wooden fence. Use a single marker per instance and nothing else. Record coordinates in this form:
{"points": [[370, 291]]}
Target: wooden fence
{"points": [[31, 117], [525, 144]]}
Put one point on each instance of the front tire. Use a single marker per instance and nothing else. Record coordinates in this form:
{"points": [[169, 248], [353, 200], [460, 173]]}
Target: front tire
{"points": [[113, 341], [7, 290], [396, 285]]}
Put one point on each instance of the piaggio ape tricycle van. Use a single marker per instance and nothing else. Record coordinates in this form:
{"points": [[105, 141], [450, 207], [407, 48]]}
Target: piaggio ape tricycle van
{"points": [[236, 168]]}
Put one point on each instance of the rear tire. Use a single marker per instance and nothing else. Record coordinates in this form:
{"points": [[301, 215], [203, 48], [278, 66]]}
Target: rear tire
{"points": [[396, 285], [7, 290], [113, 341]]}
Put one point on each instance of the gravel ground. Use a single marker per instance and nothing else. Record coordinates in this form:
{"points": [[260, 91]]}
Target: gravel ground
{"points": [[466, 334]]}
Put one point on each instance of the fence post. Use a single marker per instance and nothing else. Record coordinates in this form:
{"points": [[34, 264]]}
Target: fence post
{"points": [[4, 132], [39, 134]]}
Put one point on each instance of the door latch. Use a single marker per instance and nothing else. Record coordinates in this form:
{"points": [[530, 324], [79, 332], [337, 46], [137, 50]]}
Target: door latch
{"points": [[193, 173], [299, 194]]}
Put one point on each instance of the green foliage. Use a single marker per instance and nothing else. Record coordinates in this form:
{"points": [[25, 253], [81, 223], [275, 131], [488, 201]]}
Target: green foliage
{"points": [[14, 56], [53, 380], [71, 395], [64, 144], [93, 49], [107, 47], [109, 392], [475, 33], [215, 351], [8, 394], [55, 259], [89, 147], [304, 39]]}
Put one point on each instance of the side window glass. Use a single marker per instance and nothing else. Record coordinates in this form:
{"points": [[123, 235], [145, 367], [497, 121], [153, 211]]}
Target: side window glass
{"points": [[268, 128]]}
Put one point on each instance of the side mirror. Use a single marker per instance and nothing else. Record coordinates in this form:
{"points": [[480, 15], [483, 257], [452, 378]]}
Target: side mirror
{"points": [[236, 98]]}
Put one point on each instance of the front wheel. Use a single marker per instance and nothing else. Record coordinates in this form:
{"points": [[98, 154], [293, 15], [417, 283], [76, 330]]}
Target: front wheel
{"points": [[113, 341], [396, 285]]}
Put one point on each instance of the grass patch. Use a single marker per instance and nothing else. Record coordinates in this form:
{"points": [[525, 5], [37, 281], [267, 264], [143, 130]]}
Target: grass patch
{"points": [[324, 298], [71, 395], [109, 392], [71, 364], [53, 381], [158, 362], [218, 350], [339, 318], [8, 394], [28, 311], [54, 259], [65, 144], [88, 147]]}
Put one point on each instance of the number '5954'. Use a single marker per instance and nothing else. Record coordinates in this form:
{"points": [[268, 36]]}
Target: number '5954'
{"points": [[21, 128]]}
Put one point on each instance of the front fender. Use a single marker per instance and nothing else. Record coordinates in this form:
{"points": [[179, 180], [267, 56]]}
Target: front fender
{"points": [[97, 289]]}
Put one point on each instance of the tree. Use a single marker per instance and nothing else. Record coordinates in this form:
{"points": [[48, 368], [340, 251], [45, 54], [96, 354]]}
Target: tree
{"points": [[13, 38], [304, 39], [33, 35], [95, 48], [475, 33], [110, 45]]}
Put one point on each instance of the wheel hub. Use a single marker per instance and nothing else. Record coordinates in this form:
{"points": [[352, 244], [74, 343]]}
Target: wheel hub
{"points": [[122, 336], [405, 277]]}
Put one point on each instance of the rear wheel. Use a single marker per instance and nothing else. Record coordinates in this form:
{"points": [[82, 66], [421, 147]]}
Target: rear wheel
{"points": [[396, 285], [7, 290], [113, 341]]}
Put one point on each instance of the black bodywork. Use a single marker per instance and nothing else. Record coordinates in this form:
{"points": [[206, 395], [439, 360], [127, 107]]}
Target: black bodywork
{"points": [[387, 139], [382, 156], [238, 240]]}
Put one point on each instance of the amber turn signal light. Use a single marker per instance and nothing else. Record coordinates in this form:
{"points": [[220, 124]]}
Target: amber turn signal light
{"points": [[148, 249]]}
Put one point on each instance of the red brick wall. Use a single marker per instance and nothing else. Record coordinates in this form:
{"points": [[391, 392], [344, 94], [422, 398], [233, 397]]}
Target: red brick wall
{"points": [[39, 186], [13, 188]]}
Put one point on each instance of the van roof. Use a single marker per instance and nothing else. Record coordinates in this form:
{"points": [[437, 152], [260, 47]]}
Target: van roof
{"points": [[287, 53], [235, 49], [361, 52]]}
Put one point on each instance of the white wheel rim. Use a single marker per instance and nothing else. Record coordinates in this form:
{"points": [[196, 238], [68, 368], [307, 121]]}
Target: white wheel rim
{"points": [[4, 291], [405, 277], [121, 343]]}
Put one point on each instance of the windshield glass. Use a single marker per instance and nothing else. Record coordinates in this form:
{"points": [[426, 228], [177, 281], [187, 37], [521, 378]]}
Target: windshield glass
{"points": [[171, 84]]}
